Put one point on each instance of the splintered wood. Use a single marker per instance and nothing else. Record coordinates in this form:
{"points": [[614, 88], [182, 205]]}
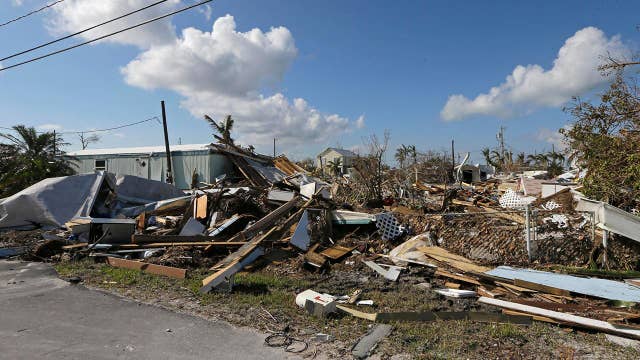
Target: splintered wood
{"points": [[459, 262]]}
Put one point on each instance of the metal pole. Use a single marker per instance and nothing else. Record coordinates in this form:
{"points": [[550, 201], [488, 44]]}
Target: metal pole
{"points": [[453, 157], [166, 144], [528, 226]]}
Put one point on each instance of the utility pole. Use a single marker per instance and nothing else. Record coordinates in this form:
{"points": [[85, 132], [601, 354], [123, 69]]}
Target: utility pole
{"points": [[500, 138], [274, 147], [166, 144], [54, 144], [453, 159]]}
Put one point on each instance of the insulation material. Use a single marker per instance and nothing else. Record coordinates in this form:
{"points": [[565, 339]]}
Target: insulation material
{"points": [[54, 201], [388, 226], [511, 200]]}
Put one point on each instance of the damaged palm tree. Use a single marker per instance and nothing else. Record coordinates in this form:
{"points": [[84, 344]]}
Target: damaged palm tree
{"points": [[30, 157], [223, 128]]}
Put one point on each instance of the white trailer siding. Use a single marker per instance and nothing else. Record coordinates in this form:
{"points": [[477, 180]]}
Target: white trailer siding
{"points": [[150, 163]]}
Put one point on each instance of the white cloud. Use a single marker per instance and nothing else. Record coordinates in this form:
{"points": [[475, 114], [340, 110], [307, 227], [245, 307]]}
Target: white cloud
{"points": [[222, 72], [49, 127], [574, 72], [73, 15], [17, 2], [360, 122], [553, 137]]}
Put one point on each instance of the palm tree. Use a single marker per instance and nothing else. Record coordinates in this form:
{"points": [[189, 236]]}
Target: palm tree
{"points": [[30, 157], [486, 152], [223, 128], [401, 155], [413, 153], [335, 166]]}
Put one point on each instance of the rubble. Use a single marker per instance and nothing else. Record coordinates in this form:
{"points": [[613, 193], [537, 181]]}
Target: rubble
{"points": [[450, 240]]}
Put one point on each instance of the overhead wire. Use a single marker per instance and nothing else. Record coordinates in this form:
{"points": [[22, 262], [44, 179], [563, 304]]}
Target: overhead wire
{"points": [[30, 13], [105, 36], [94, 130], [82, 31]]}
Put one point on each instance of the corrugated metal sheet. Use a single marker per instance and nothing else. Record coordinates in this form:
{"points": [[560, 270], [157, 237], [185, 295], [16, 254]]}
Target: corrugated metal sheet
{"points": [[602, 288]]}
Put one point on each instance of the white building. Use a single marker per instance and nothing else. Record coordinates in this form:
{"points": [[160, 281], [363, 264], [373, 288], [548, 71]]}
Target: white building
{"points": [[151, 162]]}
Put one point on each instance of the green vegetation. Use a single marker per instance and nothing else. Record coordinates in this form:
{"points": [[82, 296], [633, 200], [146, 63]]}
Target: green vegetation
{"points": [[605, 139], [29, 157]]}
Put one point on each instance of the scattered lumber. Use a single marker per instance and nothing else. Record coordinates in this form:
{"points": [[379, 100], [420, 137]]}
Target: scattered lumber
{"points": [[149, 268], [459, 262], [572, 320], [209, 244], [144, 238], [437, 315]]}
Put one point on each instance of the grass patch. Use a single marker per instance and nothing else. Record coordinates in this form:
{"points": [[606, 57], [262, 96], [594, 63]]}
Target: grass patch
{"points": [[260, 295]]}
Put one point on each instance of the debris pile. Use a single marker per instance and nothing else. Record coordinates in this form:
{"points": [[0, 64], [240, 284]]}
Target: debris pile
{"points": [[446, 238]]}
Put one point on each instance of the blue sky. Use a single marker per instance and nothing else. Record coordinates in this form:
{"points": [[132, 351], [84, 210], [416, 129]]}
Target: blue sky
{"points": [[395, 64]]}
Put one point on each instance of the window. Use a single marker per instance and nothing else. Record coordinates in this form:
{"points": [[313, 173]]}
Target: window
{"points": [[100, 165]]}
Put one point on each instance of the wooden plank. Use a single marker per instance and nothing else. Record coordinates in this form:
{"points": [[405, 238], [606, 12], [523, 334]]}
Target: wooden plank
{"points": [[336, 251], [462, 278], [148, 238], [437, 315], [75, 246], [573, 320], [534, 317], [201, 207], [541, 288], [515, 287], [452, 285], [190, 243], [456, 261], [149, 268]]}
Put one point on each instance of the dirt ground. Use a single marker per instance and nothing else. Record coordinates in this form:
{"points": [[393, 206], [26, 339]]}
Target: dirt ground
{"points": [[264, 299]]}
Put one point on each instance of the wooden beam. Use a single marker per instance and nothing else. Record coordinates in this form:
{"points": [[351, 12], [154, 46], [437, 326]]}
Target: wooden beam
{"points": [[75, 246], [462, 278], [573, 320], [149, 268], [191, 243], [542, 288], [148, 238]]}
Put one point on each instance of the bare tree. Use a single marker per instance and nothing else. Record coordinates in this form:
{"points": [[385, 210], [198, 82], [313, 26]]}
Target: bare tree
{"points": [[371, 166], [86, 140]]}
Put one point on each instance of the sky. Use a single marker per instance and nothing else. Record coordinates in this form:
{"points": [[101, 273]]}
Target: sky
{"points": [[313, 74]]}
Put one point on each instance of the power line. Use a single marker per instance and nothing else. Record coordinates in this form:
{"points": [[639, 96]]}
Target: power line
{"points": [[105, 36], [31, 13], [93, 131], [82, 31]]}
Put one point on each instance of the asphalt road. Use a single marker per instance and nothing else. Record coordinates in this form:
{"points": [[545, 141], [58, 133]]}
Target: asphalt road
{"points": [[43, 317]]}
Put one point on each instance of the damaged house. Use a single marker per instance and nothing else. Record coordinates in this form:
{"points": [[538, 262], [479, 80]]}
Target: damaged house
{"points": [[151, 162]]}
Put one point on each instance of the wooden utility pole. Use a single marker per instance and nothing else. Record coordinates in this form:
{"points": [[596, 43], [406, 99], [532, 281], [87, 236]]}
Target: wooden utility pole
{"points": [[166, 144], [54, 143], [274, 147]]}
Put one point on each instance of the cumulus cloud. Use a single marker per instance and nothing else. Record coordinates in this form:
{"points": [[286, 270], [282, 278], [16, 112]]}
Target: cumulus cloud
{"points": [[574, 72], [71, 16], [222, 72]]}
